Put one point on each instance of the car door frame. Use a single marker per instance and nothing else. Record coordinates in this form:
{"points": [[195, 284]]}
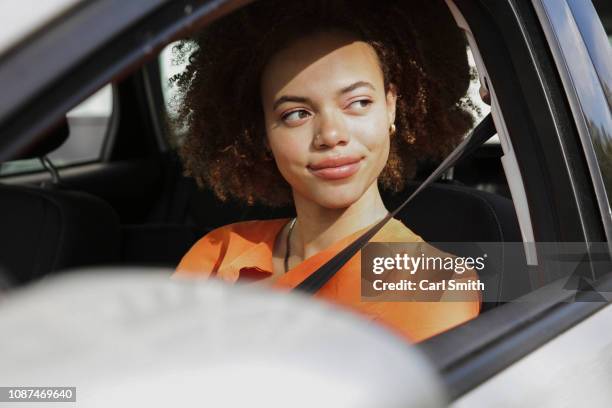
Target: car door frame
{"points": [[533, 104], [500, 338]]}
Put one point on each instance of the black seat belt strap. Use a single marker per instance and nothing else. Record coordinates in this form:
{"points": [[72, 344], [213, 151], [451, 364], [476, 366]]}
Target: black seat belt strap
{"points": [[480, 134]]}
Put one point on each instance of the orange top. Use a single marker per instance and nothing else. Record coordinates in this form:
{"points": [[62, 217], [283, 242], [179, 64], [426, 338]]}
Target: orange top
{"points": [[244, 250]]}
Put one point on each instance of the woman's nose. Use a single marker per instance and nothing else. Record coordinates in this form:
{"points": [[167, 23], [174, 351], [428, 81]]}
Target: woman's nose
{"points": [[330, 131]]}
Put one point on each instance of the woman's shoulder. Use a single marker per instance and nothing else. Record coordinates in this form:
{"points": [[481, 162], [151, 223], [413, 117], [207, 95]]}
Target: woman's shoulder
{"points": [[228, 241], [253, 231], [396, 231], [250, 230]]}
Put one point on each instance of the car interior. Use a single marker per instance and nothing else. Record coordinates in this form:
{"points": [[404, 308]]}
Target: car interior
{"points": [[131, 205], [105, 187]]}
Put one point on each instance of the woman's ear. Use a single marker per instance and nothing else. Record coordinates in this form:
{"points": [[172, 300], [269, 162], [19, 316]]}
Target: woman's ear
{"points": [[267, 150], [267, 144], [391, 102]]}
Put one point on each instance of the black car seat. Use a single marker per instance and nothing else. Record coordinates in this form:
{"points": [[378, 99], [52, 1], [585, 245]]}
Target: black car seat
{"points": [[445, 212], [459, 218], [47, 229], [442, 213]]}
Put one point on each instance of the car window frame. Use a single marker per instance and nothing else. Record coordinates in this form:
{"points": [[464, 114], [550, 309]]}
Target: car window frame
{"points": [[109, 137], [507, 333], [514, 330], [558, 20], [125, 38]]}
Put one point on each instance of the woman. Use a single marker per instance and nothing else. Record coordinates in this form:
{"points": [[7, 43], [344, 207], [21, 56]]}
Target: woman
{"points": [[316, 104]]}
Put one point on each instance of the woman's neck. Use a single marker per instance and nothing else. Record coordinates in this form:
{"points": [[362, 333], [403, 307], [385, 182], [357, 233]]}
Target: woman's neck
{"points": [[318, 227]]}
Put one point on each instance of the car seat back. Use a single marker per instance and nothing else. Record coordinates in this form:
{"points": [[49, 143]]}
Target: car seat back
{"points": [[47, 229]]}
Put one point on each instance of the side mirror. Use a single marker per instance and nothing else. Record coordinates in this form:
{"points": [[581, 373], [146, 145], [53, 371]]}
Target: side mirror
{"points": [[139, 338]]}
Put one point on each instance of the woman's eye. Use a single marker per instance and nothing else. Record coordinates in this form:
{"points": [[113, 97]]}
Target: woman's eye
{"points": [[295, 115], [361, 104]]}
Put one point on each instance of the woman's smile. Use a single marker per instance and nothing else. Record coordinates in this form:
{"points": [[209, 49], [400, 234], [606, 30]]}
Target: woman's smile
{"points": [[336, 168]]}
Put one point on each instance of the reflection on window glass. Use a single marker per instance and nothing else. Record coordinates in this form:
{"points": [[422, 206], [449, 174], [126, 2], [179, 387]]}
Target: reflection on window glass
{"points": [[169, 66], [598, 117], [474, 94], [604, 10], [88, 124]]}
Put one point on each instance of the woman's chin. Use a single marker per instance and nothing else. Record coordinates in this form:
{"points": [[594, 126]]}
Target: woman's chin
{"points": [[333, 195], [336, 200]]}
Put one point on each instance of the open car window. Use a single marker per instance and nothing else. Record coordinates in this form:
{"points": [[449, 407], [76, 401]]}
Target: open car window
{"points": [[533, 183], [89, 126]]}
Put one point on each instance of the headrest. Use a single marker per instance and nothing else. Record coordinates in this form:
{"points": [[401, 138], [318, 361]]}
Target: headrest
{"points": [[50, 230], [455, 213], [47, 142]]}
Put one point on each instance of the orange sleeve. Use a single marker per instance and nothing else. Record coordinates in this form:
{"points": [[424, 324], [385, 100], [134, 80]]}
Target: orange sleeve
{"points": [[204, 257]]}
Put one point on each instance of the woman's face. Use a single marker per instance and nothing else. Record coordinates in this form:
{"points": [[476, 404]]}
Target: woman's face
{"points": [[327, 117]]}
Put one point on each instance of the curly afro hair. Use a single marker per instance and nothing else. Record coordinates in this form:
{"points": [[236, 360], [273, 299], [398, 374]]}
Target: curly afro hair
{"points": [[421, 51]]}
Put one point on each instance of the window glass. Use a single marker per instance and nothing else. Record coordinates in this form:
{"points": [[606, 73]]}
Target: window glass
{"points": [[168, 67], [595, 92], [88, 124], [604, 10], [474, 93]]}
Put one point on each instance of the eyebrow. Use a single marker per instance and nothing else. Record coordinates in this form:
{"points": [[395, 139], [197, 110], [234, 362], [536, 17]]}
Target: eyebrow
{"points": [[356, 85], [300, 99], [289, 98]]}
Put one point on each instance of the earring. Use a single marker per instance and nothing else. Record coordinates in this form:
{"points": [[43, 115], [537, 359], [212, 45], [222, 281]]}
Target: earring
{"points": [[411, 139], [392, 129]]}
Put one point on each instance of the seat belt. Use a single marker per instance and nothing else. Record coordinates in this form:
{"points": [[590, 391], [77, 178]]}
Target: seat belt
{"points": [[479, 135]]}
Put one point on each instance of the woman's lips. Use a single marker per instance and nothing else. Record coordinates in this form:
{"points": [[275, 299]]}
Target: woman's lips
{"points": [[335, 169]]}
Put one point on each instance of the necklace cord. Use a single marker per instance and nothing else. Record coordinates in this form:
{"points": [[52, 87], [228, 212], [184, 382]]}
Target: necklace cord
{"points": [[287, 247]]}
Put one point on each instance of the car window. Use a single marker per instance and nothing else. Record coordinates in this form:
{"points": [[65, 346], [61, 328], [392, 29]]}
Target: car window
{"points": [[168, 67], [482, 109], [477, 351], [88, 123], [604, 10], [598, 71]]}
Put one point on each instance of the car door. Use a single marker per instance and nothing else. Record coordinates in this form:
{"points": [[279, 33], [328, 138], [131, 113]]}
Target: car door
{"points": [[550, 347]]}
